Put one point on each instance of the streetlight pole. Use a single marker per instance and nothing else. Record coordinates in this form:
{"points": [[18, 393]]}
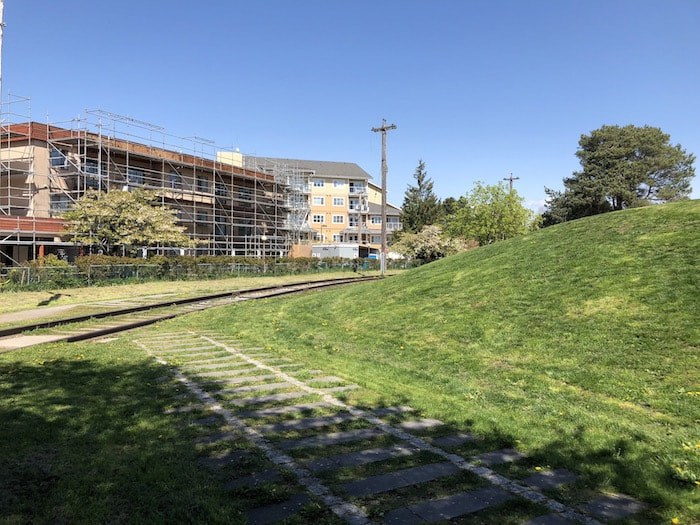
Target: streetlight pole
{"points": [[383, 129]]}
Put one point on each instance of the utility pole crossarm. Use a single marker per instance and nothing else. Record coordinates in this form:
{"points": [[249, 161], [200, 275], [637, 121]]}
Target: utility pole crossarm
{"points": [[383, 129], [510, 181]]}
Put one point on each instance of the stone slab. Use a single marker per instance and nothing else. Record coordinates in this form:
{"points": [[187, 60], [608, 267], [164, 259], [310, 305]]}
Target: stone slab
{"points": [[225, 458], [333, 438], [285, 396], [190, 349], [208, 421], [23, 341], [214, 360], [255, 479], [248, 379], [497, 457], [387, 411], [216, 438], [550, 519], [288, 409], [361, 457], [613, 506], [305, 424], [326, 379], [184, 409], [400, 478], [550, 479], [454, 440], [278, 511], [213, 366], [226, 373], [420, 424], [256, 388], [334, 389], [449, 507]]}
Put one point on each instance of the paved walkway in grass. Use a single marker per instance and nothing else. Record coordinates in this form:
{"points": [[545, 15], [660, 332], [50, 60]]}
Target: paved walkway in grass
{"points": [[321, 450], [26, 316]]}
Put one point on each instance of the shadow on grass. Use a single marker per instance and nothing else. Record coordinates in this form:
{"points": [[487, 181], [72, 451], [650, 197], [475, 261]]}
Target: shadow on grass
{"points": [[82, 441]]}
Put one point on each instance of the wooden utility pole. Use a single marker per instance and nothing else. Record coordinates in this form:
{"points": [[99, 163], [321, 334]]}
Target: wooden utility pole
{"points": [[382, 256], [510, 182]]}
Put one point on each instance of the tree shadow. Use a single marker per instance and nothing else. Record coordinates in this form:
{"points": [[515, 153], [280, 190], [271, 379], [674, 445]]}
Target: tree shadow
{"points": [[54, 297], [88, 442]]}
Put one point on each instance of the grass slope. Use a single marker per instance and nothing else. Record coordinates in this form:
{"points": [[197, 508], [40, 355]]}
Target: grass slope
{"points": [[578, 344]]}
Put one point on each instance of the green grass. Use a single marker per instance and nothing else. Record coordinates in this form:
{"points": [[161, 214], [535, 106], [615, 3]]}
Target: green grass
{"points": [[85, 437], [578, 344]]}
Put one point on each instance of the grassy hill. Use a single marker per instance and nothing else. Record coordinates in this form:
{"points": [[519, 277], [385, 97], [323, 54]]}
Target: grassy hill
{"points": [[579, 344]]}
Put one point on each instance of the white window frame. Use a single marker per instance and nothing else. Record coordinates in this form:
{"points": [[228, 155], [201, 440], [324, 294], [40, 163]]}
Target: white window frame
{"points": [[319, 183], [338, 219], [338, 183], [319, 201], [318, 219], [338, 201]]}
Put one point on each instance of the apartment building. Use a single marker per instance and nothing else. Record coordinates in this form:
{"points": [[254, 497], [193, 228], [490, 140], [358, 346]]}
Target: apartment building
{"points": [[344, 207]]}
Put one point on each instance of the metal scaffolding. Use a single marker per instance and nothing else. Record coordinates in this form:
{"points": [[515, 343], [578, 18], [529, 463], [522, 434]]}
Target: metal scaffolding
{"points": [[231, 209]]}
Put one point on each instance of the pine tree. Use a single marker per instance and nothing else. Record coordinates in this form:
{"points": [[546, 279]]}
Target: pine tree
{"points": [[421, 207]]}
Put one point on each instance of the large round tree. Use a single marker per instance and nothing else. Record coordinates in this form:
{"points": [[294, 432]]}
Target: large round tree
{"points": [[622, 167]]}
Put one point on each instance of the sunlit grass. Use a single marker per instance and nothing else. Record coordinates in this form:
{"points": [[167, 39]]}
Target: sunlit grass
{"points": [[578, 344]]}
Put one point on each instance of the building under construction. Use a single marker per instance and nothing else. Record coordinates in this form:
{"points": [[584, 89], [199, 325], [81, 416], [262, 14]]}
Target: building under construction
{"points": [[258, 211]]}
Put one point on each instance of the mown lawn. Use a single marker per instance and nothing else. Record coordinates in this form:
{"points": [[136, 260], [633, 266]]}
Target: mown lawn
{"points": [[577, 344]]}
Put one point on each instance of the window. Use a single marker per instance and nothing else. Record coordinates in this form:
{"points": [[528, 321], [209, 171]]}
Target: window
{"points": [[245, 194], [319, 183], [338, 219], [376, 239], [319, 201], [202, 216], [338, 183], [90, 166], [356, 187], [203, 185], [337, 237], [175, 180], [354, 204], [60, 202], [338, 201], [57, 158], [376, 219], [134, 176], [353, 238], [318, 219], [353, 221]]}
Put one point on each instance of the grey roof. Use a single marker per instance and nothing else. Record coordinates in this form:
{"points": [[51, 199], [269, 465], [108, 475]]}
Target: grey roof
{"points": [[321, 168], [376, 209]]}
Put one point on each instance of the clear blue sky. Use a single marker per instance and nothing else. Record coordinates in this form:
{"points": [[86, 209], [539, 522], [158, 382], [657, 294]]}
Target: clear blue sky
{"points": [[477, 88]]}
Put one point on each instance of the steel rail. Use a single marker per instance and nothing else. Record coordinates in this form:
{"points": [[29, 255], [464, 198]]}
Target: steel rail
{"points": [[266, 291]]}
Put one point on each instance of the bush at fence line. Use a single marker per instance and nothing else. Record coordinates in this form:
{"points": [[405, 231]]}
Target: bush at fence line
{"points": [[49, 261]]}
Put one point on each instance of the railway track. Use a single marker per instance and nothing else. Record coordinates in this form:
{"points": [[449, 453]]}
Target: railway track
{"points": [[99, 324]]}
